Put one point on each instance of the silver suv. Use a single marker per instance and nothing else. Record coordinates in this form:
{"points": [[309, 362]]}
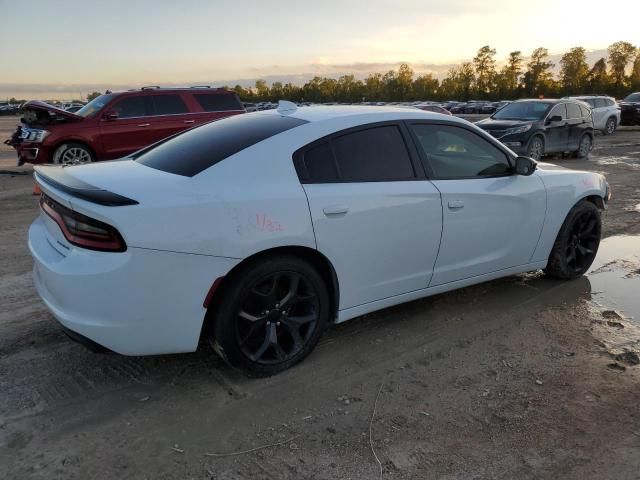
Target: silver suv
{"points": [[604, 111]]}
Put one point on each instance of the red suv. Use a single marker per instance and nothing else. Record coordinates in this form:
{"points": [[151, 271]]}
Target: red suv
{"points": [[116, 124]]}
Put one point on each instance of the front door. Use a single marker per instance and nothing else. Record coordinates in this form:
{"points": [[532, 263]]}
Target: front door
{"points": [[130, 130], [492, 218], [375, 216]]}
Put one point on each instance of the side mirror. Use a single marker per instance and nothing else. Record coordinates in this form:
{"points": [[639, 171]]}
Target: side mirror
{"points": [[110, 115], [525, 166], [555, 118]]}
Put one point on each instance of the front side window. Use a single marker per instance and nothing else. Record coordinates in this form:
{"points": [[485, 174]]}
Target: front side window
{"points": [[455, 152], [132, 107], [559, 111], [168, 105]]}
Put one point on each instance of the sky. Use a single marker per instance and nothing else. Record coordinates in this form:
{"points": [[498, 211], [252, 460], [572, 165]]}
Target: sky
{"points": [[64, 48]]}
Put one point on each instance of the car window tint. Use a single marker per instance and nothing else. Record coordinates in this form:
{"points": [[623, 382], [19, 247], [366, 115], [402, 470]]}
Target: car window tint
{"points": [[217, 102], [573, 110], [320, 164], [168, 105], [590, 101], [455, 152], [131, 107], [558, 110], [195, 150], [600, 102], [610, 102], [374, 154]]}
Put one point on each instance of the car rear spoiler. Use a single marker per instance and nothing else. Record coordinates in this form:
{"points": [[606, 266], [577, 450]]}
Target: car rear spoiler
{"points": [[60, 178]]}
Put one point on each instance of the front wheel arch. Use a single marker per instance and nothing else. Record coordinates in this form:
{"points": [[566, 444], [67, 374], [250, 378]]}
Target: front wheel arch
{"points": [[55, 148]]}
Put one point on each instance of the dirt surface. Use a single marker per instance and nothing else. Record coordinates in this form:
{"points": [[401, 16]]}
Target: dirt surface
{"points": [[522, 377]]}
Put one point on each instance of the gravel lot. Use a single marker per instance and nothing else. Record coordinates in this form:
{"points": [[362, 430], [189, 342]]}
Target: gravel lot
{"points": [[516, 378]]}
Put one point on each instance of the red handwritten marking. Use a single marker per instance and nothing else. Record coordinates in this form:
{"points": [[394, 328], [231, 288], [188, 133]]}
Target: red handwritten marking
{"points": [[266, 224]]}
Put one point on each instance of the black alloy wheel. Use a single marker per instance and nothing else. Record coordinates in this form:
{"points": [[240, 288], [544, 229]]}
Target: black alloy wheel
{"points": [[271, 315], [577, 243]]}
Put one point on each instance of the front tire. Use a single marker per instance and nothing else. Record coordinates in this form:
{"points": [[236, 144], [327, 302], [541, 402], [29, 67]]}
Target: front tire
{"points": [[272, 315], [535, 149], [577, 242], [73, 154]]}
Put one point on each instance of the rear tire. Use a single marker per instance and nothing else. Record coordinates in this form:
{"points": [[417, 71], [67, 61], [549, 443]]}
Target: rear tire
{"points": [[610, 126], [577, 242], [535, 149], [584, 148], [73, 154], [272, 315]]}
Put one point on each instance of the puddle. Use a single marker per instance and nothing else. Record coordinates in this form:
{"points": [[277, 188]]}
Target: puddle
{"points": [[618, 160], [615, 275]]}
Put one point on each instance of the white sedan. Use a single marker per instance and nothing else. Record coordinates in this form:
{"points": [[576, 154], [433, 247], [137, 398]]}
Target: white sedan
{"points": [[257, 231]]}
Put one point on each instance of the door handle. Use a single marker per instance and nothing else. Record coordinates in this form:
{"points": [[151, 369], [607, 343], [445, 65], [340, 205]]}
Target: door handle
{"points": [[335, 210], [144, 124], [189, 121], [456, 204]]}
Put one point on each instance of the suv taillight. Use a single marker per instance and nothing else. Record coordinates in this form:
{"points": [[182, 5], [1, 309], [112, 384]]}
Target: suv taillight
{"points": [[81, 230]]}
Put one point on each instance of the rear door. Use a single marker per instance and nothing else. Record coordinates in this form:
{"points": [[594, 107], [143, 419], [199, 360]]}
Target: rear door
{"points": [[557, 132], [170, 115], [492, 218], [130, 131], [599, 113], [374, 214], [577, 125]]}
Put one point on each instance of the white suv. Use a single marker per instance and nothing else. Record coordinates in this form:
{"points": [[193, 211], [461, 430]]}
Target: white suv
{"points": [[604, 111]]}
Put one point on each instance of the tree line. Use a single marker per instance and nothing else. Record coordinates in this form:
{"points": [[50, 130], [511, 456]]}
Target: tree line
{"points": [[477, 79]]}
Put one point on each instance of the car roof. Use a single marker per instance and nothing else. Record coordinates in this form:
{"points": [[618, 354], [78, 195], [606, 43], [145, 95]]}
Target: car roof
{"points": [[328, 112]]}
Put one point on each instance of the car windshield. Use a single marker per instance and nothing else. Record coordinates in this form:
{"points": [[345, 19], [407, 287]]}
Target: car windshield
{"points": [[634, 97], [523, 111], [94, 105]]}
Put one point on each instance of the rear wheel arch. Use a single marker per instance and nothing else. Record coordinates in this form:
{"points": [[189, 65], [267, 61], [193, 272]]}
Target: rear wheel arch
{"points": [[316, 259]]}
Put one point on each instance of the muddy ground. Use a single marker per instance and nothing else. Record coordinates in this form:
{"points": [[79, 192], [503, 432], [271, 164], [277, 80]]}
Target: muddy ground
{"points": [[516, 378]]}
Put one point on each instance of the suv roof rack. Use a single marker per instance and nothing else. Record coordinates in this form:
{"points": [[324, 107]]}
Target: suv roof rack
{"points": [[150, 87]]}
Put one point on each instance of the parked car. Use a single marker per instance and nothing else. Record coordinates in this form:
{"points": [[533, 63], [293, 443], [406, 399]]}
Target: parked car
{"points": [[116, 124], [537, 127], [605, 112], [257, 231], [630, 109]]}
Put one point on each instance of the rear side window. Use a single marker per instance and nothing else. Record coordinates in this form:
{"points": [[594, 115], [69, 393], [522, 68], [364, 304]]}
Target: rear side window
{"points": [[136, 106], [372, 155], [168, 105], [600, 102], [195, 150], [216, 102], [573, 110], [591, 101]]}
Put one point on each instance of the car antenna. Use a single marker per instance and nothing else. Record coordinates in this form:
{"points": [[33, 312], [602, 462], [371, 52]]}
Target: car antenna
{"points": [[285, 107]]}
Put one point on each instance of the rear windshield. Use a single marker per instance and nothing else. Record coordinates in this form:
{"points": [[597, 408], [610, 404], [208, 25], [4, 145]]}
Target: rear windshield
{"points": [[523, 111], [195, 150]]}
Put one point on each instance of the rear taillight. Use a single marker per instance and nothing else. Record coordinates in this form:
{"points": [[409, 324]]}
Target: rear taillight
{"points": [[81, 230]]}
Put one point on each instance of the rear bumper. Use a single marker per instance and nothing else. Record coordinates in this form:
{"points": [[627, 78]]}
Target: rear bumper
{"points": [[138, 302]]}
